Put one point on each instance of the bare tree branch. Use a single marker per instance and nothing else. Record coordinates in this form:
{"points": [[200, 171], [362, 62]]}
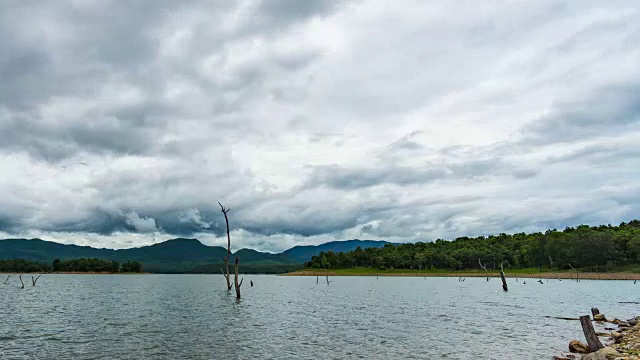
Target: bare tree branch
{"points": [[5, 282], [484, 267], [20, 277]]}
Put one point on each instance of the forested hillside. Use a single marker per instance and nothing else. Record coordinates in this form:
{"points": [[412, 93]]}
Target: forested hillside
{"points": [[586, 247]]}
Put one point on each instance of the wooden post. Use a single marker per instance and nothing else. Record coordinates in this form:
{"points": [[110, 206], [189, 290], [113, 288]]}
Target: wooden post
{"points": [[590, 334], [595, 311], [504, 281]]}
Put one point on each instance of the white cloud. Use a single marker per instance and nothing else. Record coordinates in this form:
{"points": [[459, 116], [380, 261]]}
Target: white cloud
{"points": [[315, 120]]}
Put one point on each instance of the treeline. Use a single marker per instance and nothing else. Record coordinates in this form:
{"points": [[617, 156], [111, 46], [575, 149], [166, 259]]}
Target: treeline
{"points": [[248, 268], [595, 248], [73, 265], [23, 266]]}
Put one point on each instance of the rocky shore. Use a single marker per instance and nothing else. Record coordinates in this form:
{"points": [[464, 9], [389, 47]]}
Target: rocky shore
{"points": [[621, 340]]}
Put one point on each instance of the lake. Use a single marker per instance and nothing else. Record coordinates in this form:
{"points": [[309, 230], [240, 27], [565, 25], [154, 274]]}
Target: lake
{"points": [[193, 316]]}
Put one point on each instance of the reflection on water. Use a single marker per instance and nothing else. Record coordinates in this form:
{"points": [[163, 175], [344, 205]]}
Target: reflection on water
{"points": [[193, 316]]}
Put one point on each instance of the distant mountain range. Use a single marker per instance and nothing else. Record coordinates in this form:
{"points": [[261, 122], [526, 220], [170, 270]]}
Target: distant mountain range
{"points": [[178, 255]]}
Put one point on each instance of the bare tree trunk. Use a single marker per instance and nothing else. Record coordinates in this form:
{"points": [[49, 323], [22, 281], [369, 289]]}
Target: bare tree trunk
{"points": [[590, 333], [235, 281], [5, 282], [20, 277], [33, 281], [226, 259]]}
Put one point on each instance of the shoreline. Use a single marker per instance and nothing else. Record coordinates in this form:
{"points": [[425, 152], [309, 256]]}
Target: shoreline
{"points": [[75, 273], [546, 275]]}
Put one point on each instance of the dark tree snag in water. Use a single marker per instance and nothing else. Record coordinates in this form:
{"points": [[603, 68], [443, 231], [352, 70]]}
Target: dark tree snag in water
{"points": [[251, 282], [8, 276], [226, 259], [595, 311], [590, 333], [20, 277], [33, 281], [504, 281], [235, 281]]}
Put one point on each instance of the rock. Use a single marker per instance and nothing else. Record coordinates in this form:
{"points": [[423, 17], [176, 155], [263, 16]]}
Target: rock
{"points": [[598, 317], [607, 353], [579, 347], [616, 335], [558, 357], [632, 322]]}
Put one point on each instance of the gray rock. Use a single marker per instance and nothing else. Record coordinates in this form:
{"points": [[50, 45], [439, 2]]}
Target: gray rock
{"points": [[598, 317], [607, 353]]}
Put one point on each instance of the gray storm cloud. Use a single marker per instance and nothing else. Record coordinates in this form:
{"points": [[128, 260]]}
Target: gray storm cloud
{"points": [[125, 122]]}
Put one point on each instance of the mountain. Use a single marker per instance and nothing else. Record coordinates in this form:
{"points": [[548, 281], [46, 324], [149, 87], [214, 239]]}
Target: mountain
{"points": [[171, 256], [177, 255], [305, 252]]}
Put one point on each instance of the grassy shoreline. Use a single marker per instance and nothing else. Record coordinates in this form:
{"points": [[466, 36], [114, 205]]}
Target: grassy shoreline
{"points": [[516, 273]]}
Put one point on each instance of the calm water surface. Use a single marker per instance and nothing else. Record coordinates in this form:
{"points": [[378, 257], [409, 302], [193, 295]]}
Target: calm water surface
{"points": [[193, 316]]}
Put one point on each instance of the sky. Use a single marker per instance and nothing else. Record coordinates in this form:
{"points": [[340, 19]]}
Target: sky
{"points": [[125, 123]]}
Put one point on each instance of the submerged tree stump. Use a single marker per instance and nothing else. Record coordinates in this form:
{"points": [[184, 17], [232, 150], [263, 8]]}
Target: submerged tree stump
{"points": [[504, 280], [590, 334]]}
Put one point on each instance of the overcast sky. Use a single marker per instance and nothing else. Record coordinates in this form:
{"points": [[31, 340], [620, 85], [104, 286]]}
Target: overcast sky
{"points": [[125, 122]]}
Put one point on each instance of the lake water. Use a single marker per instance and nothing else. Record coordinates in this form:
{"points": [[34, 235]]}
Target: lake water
{"points": [[193, 316]]}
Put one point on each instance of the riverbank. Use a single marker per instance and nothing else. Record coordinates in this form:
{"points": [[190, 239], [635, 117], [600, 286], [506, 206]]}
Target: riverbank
{"points": [[622, 343], [444, 273]]}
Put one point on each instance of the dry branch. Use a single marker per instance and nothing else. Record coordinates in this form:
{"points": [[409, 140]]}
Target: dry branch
{"points": [[20, 277], [5, 282], [577, 276], [33, 281], [484, 267]]}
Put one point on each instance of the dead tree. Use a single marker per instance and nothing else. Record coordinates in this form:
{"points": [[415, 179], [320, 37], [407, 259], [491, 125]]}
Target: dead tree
{"points": [[226, 258], [577, 276], [504, 281], [33, 281], [20, 277], [235, 281], [8, 276], [590, 334], [484, 267]]}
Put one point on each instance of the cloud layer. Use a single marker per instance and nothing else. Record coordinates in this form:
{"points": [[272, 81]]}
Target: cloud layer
{"points": [[125, 123]]}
